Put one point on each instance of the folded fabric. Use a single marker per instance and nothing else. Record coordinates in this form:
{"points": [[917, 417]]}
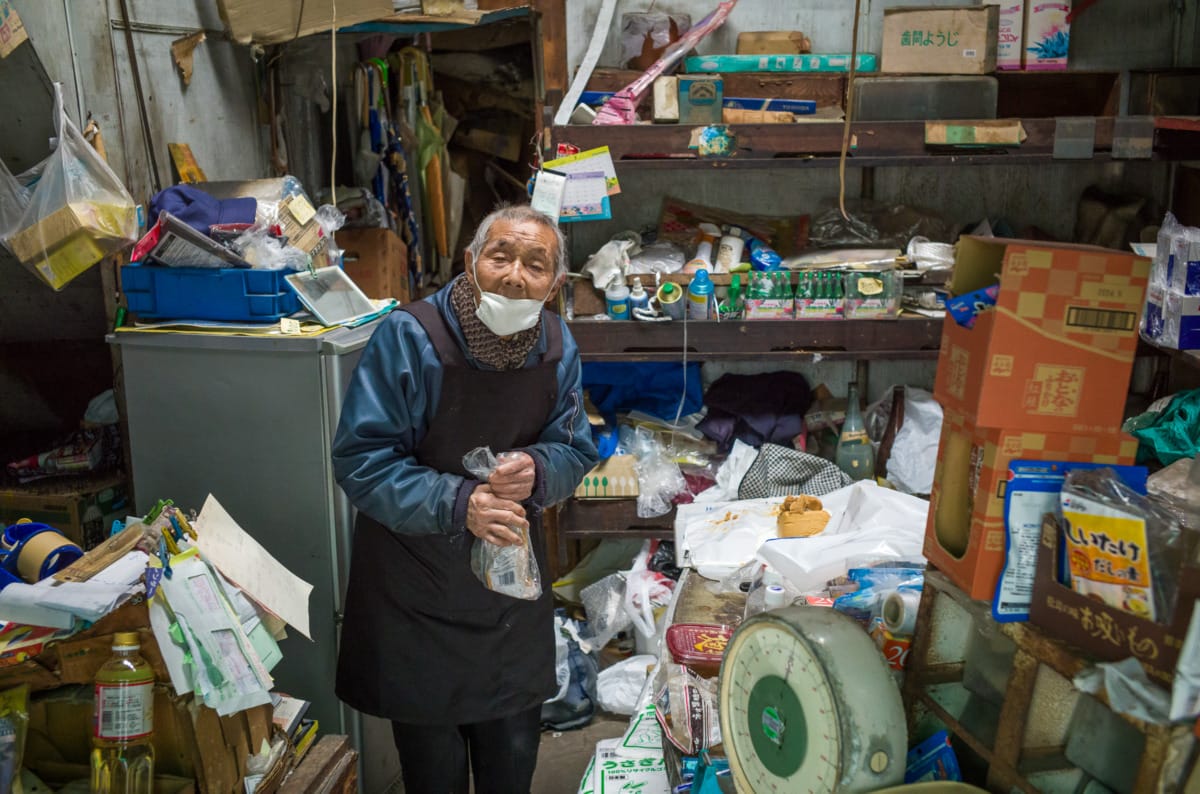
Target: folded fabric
{"points": [[655, 388], [756, 409], [781, 471]]}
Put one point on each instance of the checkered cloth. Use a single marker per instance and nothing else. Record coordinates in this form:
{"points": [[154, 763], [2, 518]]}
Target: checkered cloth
{"points": [[780, 471]]}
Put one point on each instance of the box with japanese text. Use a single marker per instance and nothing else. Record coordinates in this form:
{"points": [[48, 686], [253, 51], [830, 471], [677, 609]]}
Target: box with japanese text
{"points": [[1047, 35], [964, 537], [1056, 351], [951, 40], [1104, 631], [1009, 41]]}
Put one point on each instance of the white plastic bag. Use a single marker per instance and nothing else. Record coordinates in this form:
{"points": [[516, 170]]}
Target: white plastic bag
{"points": [[508, 570], [619, 686], [76, 212]]}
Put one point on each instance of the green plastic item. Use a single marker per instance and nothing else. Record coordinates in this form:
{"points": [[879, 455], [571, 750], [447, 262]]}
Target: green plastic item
{"points": [[1171, 434]]}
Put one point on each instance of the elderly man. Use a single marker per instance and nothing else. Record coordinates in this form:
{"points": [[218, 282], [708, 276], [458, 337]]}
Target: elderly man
{"points": [[461, 671]]}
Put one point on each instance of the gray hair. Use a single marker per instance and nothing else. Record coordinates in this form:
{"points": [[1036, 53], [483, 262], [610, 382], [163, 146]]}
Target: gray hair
{"points": [[520, 213]]}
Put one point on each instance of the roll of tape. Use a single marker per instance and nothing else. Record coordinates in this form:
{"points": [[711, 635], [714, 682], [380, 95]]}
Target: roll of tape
{"points": [[36, 551], [775, 597], [900, 611]]}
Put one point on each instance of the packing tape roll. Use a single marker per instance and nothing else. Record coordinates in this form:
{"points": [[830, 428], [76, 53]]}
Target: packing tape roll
{"points": [[40, 550], [900, 611], [775, 597]]}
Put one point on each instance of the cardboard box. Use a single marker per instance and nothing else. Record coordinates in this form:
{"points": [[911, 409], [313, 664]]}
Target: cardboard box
{"points": [[1047, 35], [1010, 49], [773, 42], [1056, 352], [973, 134], [964, 536], [277, 21], [951, 40], [1103, 631], [377, 261], [700, 99], [71, 239], [612, 478], [82, 508], [770, 308], [1172, 319]]}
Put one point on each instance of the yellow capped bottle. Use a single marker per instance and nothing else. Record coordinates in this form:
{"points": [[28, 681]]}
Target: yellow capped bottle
{"points": [[122, 756]]}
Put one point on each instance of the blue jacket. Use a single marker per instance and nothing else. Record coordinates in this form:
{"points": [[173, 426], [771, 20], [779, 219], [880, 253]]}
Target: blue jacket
{"points": [[389, 406]]}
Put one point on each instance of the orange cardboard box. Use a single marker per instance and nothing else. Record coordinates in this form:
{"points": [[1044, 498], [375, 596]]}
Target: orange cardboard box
{"points": [[964, 537], [1056, 352]]}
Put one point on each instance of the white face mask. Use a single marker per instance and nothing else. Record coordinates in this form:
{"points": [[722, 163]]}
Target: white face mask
{"points": [[507, 316]]}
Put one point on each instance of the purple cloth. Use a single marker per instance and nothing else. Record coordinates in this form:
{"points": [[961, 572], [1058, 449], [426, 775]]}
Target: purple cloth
{"points": [[200, 210], [756, 409]]}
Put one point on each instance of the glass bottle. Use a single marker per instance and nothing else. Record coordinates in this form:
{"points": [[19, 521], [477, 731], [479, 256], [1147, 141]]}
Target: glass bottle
{"points": [[855, 455], [122, 755]]}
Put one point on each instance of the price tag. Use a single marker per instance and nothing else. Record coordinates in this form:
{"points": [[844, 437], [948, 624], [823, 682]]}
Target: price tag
{"points": [[289, 326], [302, 211]]}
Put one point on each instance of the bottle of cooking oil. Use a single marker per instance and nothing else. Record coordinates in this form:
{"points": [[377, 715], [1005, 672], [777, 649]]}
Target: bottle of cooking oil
{"points": [[122, 756]]}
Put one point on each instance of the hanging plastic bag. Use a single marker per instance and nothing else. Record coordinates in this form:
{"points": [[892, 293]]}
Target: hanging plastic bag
{"points": [[70, 217], [508, 570]]}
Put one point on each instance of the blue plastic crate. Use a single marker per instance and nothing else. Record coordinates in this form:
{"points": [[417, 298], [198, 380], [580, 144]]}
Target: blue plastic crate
{"points": [[198, 293]]}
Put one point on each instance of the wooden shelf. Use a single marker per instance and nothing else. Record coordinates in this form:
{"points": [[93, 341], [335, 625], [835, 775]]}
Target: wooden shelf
{"points": [[880, 143], [758, 340], [580, 519], [407, 24]]}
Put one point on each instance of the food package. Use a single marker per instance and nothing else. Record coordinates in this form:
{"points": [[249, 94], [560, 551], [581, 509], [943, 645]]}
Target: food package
{"points": [[509, 570], [686, 708]]}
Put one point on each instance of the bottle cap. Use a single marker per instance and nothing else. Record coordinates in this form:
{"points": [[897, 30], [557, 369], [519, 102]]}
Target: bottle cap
{"points": [[126, 640], [668, 288]]}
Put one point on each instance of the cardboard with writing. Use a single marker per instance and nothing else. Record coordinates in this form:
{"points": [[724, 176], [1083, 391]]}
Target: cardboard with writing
{"points": [[964, 536], [950, 40], [1056, 352], [82, 508], [1103, 631]]}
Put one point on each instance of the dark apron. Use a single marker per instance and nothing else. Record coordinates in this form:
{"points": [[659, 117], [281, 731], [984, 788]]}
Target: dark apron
{"points": [[423, 641]]}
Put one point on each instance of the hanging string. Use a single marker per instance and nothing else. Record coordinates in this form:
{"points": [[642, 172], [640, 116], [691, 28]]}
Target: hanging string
{"points": [[333, 108], [849, 113]]}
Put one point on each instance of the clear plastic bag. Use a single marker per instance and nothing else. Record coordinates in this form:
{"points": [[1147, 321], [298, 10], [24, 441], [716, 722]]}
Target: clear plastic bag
{"points": [[508, 570], [76, 212]]}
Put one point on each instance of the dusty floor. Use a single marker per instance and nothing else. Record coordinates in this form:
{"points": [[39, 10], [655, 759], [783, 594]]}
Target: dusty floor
{"points": [[563, 756]]}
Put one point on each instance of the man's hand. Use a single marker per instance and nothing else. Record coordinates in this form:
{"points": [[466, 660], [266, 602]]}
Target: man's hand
{"points": [[490, 516], [513, 478]]}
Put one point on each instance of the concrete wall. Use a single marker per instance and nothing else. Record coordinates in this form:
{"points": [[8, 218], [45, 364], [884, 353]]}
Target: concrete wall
{"points": [[77, 43]]}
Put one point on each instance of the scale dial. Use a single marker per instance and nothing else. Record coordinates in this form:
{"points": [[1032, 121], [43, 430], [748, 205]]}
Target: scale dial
{"points": [[807, 706]]}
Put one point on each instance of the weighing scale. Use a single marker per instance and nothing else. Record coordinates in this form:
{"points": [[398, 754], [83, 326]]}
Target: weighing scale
{"points": [[807, 704]]}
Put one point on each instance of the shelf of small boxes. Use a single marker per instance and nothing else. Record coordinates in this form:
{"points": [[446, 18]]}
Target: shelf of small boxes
{"points": [[821, 313]]}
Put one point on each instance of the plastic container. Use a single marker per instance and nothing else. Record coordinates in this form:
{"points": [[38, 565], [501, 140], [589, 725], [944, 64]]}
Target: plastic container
{"points": [[729, 251], [700, 646], [196, 293], [616, 302], [700, 292], [670, 299], [638, 297]]}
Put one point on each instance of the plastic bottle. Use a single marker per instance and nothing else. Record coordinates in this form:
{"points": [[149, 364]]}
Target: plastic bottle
{"points": [[703, 260], [122, 755], [638, 297], [700, 292], [855, 455], [616, 301], [729, 250]]}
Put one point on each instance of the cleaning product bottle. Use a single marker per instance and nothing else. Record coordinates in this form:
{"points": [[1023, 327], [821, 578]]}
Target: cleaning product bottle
{"points": [[616, 301], [703, 260], [855, 455], [638, 297], [700, 292], [122, 755], [729, 250]]}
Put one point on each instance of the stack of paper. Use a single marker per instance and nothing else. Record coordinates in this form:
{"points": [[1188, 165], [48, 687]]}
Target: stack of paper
{"points": [[56, 604]]}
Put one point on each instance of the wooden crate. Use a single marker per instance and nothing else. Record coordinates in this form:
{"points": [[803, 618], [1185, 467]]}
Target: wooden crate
{"points": [[1023, 735]]}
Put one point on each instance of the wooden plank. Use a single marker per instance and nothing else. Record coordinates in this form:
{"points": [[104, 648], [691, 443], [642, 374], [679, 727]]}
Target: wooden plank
{"points": [[827, 90], [1018, 693], [750, 339], [553, 16], [319, 767], [1000, 777]]}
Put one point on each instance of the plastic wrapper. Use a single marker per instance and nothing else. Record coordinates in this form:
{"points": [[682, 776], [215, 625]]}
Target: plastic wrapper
{"points": [[654, 26], [660, 257], [659, 477], [508, 570], [874, 586], [603, 601], [873, 224], [609, 265], [1123, 549], [69, 212], [619, 686], [14, 722], [628, 599], [686, 708], [912, 461], [330, 219], [266, 252]]}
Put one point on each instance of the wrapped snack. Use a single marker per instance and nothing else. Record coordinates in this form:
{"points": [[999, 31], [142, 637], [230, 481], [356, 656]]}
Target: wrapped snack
{"points": [[1123, 549], [686, 708], [509, 570]]}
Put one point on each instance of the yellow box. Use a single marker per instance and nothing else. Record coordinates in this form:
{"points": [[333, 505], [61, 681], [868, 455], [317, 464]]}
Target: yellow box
{"points": [[71, 239], [613, 478]]}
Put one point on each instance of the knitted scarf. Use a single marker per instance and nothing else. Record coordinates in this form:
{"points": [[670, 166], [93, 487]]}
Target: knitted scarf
{"points": [[483, 345]]}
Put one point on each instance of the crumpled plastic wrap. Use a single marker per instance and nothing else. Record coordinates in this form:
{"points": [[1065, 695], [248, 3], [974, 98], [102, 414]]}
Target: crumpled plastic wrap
{"points": [[508, 570], [873, 224]]}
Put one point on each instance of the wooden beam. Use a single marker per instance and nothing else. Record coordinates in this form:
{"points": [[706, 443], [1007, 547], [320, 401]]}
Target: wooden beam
{"points": [[553, 15]]}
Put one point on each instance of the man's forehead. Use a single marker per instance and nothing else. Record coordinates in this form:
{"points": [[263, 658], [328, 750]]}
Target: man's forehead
{"points": [[526, 233]]}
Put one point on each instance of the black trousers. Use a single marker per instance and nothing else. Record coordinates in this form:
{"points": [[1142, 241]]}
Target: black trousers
{"points": [[502, 755]]}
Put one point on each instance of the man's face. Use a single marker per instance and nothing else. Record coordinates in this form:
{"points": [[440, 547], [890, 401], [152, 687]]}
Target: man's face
{"points": [[517, 261]]}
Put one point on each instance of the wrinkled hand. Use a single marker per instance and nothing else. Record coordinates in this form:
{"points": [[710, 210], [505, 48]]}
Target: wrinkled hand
{"points": [[490, 516], [513, 478]]}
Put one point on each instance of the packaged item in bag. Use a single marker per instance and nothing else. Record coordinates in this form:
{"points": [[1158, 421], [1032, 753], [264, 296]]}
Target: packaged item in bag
{"points": [[1121, 547], [508, 570], [68, 212]]}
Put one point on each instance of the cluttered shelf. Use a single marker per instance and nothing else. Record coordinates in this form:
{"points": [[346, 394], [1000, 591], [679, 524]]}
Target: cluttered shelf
{"points": [[883, 143], [408, 24], [908, 337]]}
